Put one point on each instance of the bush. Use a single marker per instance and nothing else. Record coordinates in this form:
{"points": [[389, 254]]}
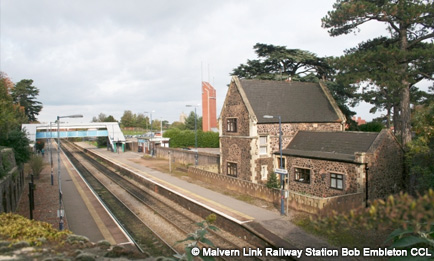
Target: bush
{"points": [[402, 212], [36, 164], [18, 141], [186, 138], [18, 228], [273, 181], [101, 142]]}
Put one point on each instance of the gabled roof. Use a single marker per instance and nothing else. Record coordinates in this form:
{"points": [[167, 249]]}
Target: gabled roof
{"points": [[295, 102], [340, 146]]}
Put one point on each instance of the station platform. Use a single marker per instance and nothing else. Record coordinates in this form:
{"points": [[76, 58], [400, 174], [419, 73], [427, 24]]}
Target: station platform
{"points": [[83, 213], [270, 224]]}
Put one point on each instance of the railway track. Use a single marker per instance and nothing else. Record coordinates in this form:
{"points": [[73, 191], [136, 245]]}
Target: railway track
{"points": [[142, 235], [178, 218]]}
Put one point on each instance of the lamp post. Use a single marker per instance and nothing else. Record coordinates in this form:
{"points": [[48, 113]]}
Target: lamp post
{"points": [[60, 214], [146, 122], [281, 171], [152, 135], [196, 156], [51, 156]]}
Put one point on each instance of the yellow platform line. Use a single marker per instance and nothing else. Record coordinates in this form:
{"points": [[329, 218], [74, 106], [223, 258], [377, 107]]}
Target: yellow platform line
{"points": [[174, 187]]}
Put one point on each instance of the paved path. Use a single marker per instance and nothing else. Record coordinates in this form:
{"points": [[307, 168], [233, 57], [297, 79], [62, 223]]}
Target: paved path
{"points": [[269, 223]]}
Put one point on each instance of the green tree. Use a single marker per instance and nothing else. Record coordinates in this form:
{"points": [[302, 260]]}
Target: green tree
{"points": [[189, 121], [373, 126], [279, 63], [11, 118], [142, 121], [104, 118], [11, 115], [18, 141], [420, 154], [25, 95], [177, 125], [273, 181], [128, 119], [110, 118], [406, 56]]}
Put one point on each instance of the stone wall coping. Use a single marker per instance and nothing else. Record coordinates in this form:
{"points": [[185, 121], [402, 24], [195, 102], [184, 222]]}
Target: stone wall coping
{"points": [[332, 197], [190, 151]]}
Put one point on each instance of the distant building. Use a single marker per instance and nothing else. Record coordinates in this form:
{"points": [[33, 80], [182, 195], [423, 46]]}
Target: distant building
{"points": [[209, 111], [182, 117], [359, 120]]}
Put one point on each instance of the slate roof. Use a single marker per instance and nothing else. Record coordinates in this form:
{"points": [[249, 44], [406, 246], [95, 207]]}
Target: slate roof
{"points": [[293, 101], [339, 146]]}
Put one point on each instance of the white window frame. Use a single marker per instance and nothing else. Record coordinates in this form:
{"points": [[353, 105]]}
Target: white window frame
{"points": [[264, 174], [337, 177], [263, 146]]}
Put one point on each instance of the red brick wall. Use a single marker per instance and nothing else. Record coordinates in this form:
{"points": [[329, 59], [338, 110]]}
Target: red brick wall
{"points": [[209, 111]]}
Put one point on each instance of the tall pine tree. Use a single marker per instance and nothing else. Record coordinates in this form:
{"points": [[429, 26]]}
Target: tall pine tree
{"points": [[396, 62]]}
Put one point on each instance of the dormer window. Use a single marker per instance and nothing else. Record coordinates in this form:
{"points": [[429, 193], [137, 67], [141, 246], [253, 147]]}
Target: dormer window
{"points": [[231, 125]]}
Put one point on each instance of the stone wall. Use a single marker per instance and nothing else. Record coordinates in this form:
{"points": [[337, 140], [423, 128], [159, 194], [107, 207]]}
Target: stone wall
{"points": [[318, 205], [11, 181], [235, 146], [187, 157], [235, 184], [320, 170], [296, 201], [234, 107], [236, 150]]}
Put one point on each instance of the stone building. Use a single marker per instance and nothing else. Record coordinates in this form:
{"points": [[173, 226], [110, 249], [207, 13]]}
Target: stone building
{"points": [[328, 164], [248, 140]]}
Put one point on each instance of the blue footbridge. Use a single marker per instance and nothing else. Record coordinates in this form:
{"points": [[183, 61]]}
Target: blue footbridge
{"points": [[111, 130]]}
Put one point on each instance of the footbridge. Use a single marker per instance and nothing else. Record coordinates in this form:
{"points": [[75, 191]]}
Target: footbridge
{"points": [[111, 130]]}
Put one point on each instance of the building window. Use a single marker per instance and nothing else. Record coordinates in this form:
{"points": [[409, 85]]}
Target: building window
{"points": [[264, 172], [263, 145], [232, 169], [336, 181], [231, 125], [283, 163], [302, 175]]}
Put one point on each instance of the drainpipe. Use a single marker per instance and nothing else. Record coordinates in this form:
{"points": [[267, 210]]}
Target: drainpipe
{"points": [[367, 184]]}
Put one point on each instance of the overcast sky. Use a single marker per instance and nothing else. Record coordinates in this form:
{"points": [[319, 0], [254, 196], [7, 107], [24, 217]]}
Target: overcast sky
{"points": [[89, 57]]}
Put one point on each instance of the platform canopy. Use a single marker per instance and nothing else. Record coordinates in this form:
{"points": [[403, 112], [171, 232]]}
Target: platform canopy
{"points": [[74, 130]]}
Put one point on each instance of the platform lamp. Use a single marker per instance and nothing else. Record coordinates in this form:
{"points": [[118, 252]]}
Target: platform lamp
{"points": [[280, 171], [196, 156], [146, 122], [51, 155], [60, 214]]}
